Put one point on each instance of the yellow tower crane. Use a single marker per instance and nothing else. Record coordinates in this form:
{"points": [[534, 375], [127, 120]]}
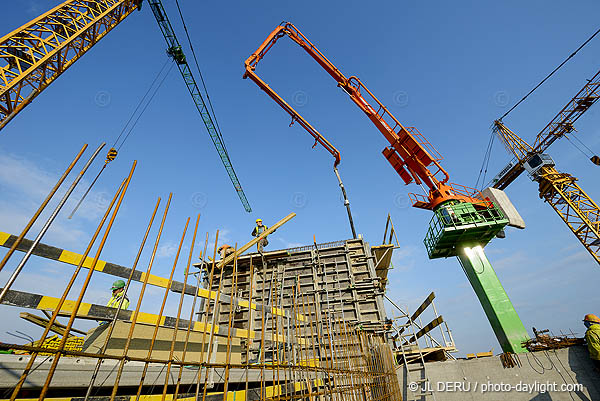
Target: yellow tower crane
{"points": [[560, 190], [36, 54]]}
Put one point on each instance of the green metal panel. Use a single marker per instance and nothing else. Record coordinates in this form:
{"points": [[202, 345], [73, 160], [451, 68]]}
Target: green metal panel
{"points": [[505, 322], [455, 225]]}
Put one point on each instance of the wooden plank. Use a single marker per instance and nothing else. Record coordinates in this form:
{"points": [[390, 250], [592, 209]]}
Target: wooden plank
{"points": [[244, 248], [43, 322]]}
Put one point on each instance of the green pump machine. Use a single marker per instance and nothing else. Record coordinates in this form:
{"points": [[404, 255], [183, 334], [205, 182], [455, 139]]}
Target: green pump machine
{"points": [[462, 229]]}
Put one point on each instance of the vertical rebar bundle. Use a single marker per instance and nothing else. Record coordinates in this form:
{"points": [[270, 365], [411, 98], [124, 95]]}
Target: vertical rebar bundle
{"points": [[295, 328]]}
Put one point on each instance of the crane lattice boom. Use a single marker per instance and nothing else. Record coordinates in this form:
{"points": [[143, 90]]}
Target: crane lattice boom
{"points": [[560, 190], [559, 126], [41, 50]]}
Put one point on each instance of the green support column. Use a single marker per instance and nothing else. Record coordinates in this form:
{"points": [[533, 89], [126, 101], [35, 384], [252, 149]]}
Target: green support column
{"points": [[505, 322]]}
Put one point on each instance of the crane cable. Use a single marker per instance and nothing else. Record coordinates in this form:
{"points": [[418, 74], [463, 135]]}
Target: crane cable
{"points": [[112, 153], [593, 158], [486, 157], [212, 110], [486, 161], [140, 103], [552, 73]]}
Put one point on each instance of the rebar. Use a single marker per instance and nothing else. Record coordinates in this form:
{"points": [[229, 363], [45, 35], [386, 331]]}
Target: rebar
{"points": [[307, 349], [47, 224], [87, 281], [41, 208], [56, 311], [162, 309], [114, 320]]}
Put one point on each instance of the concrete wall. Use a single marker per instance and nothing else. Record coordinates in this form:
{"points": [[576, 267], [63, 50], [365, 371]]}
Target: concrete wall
{"points": [[542, 369]]}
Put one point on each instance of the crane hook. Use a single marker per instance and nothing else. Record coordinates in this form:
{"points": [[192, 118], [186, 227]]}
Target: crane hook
{"points": [[111, 155]]}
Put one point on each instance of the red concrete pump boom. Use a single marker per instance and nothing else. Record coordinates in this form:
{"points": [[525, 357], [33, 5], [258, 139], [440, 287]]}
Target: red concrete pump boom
{"points": [[411, 155]]}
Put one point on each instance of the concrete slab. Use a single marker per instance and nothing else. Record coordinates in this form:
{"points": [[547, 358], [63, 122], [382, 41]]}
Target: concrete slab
{"points": [[501, 200], [543, 375]]}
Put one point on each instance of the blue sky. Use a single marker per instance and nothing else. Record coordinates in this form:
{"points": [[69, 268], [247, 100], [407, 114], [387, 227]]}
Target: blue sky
{"points": [[448, 69]]}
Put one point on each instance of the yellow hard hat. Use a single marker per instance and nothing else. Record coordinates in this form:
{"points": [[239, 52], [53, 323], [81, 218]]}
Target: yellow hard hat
{"points": [[590, 317], [257, 220]]}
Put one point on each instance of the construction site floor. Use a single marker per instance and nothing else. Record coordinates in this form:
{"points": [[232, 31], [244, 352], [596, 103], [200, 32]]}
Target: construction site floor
{"points": [[563, 374], [77, 372]]}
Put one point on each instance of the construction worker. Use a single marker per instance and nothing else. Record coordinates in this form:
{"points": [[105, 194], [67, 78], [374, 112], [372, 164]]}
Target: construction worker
{"points": [[118, 293], [225, 250], [258, 230], [592, 338]]}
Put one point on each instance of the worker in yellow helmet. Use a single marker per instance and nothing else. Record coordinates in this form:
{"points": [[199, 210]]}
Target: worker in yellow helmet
{"points": [[592, 338], [258, 230]]}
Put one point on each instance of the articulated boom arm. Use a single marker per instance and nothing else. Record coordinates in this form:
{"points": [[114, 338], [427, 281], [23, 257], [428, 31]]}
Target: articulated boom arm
{"points": [[411, 155], [251, 65]]}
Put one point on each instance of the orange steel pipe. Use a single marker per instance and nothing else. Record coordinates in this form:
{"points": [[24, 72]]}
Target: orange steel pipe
{"points": [[215, 322], [139, 302], [41, 208], [408, 155], [191, 319], [114, 320], [27, 369], [174, 339], [162, 309], [86, 283]]}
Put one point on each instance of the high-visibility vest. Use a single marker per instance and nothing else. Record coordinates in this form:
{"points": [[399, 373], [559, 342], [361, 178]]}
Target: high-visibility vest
{"points": [[260, 230], [592, 338], [116, 299]]}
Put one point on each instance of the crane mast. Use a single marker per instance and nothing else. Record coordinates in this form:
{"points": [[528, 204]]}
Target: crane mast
{"points": [[464, 221]]}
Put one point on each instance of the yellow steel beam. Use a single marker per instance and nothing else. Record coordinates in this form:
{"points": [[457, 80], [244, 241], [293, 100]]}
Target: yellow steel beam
{"points": [[73, 258], [574, 206], [42, 49], [105, 313]]}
